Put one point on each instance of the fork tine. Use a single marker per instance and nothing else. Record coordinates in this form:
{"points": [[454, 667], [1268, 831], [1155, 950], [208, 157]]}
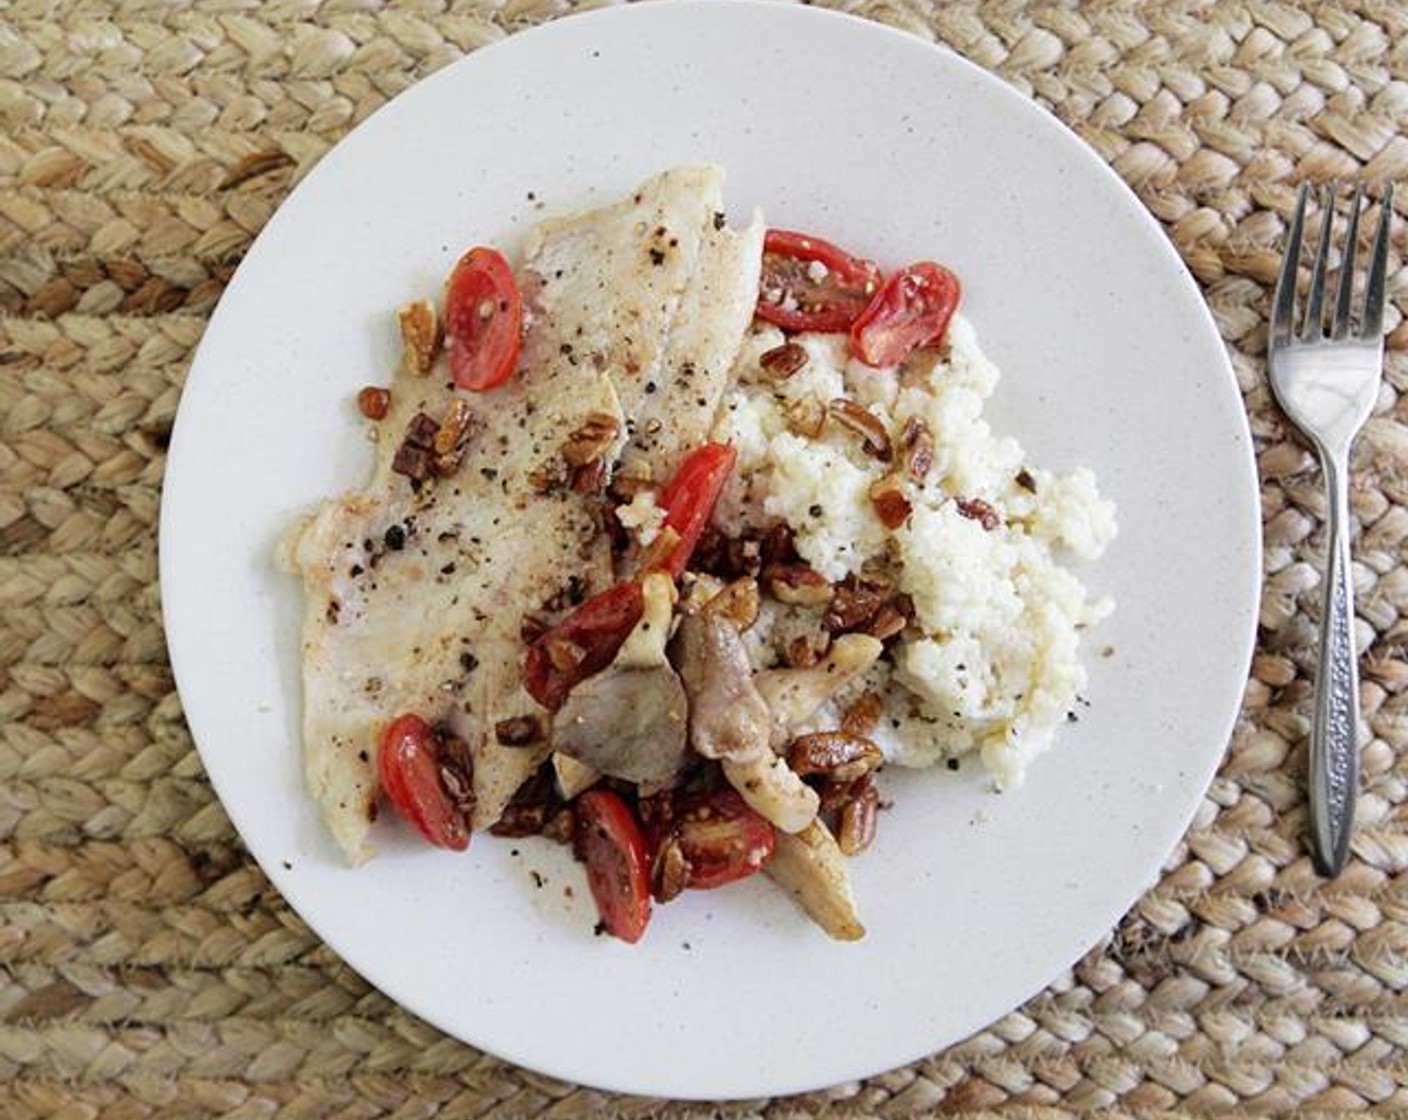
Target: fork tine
{"points": [[1340, 326], [1378, 269], [1315, 307], [1283, 304]]}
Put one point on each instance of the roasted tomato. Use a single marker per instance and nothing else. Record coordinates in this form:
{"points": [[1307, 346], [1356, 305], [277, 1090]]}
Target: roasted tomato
{"points": [[581, 644], [689, 498], [409, 766], [483, 320], [812, 285], [721, 839], [610, 842], [913, 309]]}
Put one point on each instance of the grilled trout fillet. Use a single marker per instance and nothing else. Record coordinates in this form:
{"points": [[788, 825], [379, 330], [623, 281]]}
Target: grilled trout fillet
{"points": [[414, 596]]}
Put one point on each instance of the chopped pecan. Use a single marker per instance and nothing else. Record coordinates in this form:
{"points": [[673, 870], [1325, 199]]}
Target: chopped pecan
{"points": [[453, 433], [589, 442], [781, 362], [534, 805], [806, 650], [837, 755], [518, 731], [980, 511], [420, 432], [412, 461], [797, 585], [414, 456], [806, 417], [888, 622], [832, 796], [854, 603], [521, 820], [589, 479], [421, 335], [374, 402], [551, 476], [916, 448], [777, 545], [738, 602], [670, 873], [856, 828], [865, 424], [728, 558], [862, 717], [456, 767], [711, 553], [453, 428], [561, 825], [888, 498], [1026, 481]]}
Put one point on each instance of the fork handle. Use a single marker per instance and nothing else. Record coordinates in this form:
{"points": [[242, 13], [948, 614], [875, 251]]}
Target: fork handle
{"points": [[1334, 748]]}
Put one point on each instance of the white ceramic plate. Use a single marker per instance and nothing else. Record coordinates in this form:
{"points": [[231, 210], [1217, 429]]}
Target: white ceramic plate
{"points": [[974, 901]]}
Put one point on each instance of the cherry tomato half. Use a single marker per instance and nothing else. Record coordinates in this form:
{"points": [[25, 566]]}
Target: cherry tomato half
{"points": [[483, 320], [722, 839], [689, 498], [812, 285], [581, 644], [913, 309], [409, 767], [610, 842]]}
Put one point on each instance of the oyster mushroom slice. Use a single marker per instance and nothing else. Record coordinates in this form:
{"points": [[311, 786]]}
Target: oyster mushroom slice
{"points": [[630, 720], [773, 791], [795, 695], [812, 869], [728, 719], [727, 716]]}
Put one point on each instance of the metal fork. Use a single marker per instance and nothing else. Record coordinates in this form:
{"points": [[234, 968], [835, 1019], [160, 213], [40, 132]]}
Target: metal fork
{"points": [[1326, 381]]}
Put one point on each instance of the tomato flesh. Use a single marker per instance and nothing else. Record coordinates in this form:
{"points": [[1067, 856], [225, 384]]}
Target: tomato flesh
{"points": [[610, 842], [483, 320], [408, 765], [583, 643], [722, 839], [689, 498], [812, 285], [913, 309]]}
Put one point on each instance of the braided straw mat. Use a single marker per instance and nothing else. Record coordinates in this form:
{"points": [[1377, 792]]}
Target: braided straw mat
{"points": [[149, 969]]}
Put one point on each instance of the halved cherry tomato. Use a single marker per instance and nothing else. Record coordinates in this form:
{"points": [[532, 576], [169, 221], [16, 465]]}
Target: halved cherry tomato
{"points": [[483, 320], [812, 285], [409, 767], [581, 644], [608, 839], [689, 498], [722, 839], [913, 309]]}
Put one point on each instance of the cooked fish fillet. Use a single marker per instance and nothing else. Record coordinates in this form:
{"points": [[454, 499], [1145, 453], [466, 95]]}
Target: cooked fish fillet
{"points": [[414, 599], [683, 290]]}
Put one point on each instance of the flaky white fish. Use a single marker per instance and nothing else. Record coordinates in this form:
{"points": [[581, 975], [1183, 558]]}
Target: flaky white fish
{"points": [[415, 597]]}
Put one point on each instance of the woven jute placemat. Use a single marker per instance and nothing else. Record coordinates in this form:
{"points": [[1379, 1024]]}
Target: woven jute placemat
{"points": [[149, 969]]}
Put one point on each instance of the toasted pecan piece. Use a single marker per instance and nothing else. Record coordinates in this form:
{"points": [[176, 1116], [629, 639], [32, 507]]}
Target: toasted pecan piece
{"points": [[421, 335]]}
